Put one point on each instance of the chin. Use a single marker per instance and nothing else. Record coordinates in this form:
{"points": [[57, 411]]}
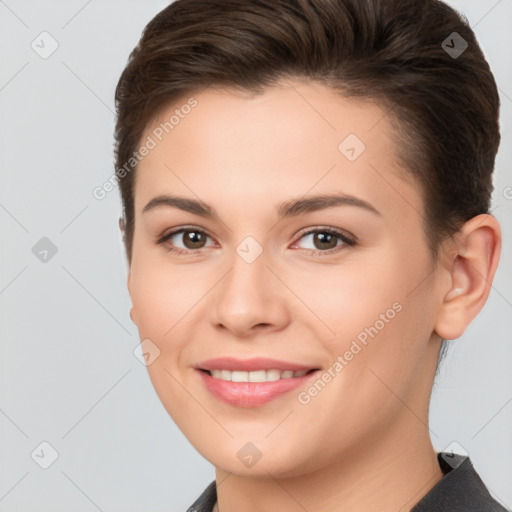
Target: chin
{"points": [[246, 459]]}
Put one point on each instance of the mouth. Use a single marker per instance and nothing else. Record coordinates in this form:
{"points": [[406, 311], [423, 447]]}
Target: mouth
{"points": [[270, 375], [252, 382]]}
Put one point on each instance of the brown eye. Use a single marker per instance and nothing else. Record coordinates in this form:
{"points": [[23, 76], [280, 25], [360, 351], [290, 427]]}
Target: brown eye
{"points": [[193, 239], [184, 240], [326, 240]]}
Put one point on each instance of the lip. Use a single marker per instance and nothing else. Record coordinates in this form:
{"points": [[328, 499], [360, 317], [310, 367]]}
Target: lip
{"points": [[249, 365], [251, 394]]}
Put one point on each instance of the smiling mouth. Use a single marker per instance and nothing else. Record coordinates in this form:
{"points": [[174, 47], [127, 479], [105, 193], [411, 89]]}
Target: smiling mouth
{"points": [[269, 375]]}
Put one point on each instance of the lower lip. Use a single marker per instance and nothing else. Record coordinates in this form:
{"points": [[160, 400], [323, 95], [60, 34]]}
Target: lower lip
{"points": [[251, 394]]}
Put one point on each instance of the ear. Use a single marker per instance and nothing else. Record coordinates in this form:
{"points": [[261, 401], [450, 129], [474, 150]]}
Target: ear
{"points": [[471, 265], [122, 227], [132, 309]]}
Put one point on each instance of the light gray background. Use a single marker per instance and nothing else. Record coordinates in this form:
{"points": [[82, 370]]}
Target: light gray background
{"points": [[68, 375]]}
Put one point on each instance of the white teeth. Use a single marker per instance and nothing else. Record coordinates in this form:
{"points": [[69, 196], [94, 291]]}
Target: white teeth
{"points": [[224, 374], [256, 376], [273, 375], [239, 376]]}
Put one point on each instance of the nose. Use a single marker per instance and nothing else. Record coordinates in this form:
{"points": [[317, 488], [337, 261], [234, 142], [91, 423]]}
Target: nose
{"points": [[249, 299]]}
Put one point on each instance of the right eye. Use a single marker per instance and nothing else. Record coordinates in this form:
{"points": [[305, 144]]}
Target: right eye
{"points": [[192, 239]]}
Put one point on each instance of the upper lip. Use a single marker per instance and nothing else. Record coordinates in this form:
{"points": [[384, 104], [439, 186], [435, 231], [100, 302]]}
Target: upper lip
{"points": [[248, 365]]}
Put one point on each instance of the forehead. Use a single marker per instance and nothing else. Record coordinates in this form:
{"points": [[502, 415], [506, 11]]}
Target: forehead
{"points": [[292, 139]]}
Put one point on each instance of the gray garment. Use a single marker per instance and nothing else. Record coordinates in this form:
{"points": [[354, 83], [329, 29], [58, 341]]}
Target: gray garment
{"points": [[460, 490]]}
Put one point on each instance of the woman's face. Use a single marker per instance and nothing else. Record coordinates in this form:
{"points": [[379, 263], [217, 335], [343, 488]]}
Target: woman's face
{"points": [[344, 287]]}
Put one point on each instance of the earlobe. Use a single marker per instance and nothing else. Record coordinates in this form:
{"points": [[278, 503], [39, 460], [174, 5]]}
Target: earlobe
{"points": [[132, 309], [472, 269]]}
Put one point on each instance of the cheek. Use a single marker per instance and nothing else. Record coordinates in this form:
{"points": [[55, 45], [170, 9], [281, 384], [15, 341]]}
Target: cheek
{"points": [[162, 301], [384, 302], [161, 298], [351, 297], [161, 290]]}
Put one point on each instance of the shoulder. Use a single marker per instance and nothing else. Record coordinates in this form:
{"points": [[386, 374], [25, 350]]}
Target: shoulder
{"points": [[206, 500], [460, 490]]}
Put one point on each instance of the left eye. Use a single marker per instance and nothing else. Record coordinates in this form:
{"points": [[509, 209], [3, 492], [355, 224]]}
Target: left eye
{"points": [[194, 237], [324, 240]]}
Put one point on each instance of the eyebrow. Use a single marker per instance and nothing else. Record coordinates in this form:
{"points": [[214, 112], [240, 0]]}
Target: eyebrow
{"points": [[290, 208]]}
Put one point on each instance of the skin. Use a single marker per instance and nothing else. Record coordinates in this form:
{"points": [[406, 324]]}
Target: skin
{"points": [[362, 443]]}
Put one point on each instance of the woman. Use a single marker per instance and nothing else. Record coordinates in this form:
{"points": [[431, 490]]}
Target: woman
{"points": [[306, 189]]}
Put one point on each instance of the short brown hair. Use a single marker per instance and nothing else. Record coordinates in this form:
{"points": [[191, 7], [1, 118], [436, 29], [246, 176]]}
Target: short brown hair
{"points": [[394, 52]]}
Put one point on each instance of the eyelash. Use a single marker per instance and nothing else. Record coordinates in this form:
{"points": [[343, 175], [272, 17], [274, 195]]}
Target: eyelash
{"points": [[350, 242]]}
